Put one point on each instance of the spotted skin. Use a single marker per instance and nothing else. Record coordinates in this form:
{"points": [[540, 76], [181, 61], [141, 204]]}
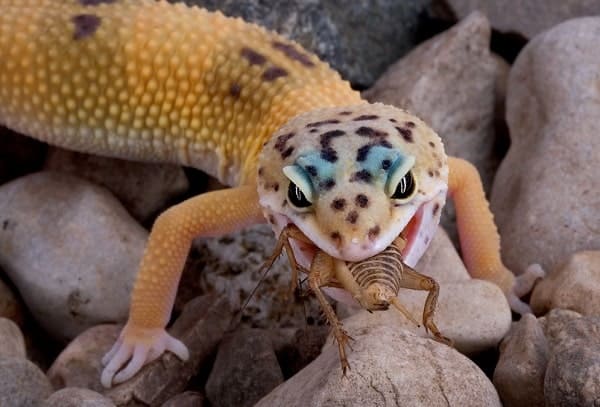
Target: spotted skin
{"points": [[152, 81]]}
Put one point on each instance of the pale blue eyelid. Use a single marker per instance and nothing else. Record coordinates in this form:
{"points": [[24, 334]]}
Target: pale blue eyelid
{"points": [[298, 176], [397, 171]]}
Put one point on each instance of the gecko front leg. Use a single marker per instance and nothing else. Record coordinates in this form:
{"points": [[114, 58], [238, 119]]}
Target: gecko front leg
{"points": [[144, 338]]}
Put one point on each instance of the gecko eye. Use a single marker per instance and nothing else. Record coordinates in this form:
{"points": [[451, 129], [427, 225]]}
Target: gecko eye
{"points": [[297, 197], [405, 188]]}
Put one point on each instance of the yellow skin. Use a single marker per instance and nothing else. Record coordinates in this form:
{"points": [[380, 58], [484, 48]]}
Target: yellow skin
{"points": [[151, 81]]}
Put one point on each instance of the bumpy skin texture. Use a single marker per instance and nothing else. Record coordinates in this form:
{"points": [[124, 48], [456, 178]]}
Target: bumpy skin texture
{"points": [[146, 80]]}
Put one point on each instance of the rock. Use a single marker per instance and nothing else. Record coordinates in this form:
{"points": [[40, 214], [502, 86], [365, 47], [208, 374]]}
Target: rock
{"points": [[77, 397], [545, 197], [186, 399], [297, 347], [200, 327], [357, 39], [71, 250], [22, 383], [144, 189], [441, 261], [11, 338], [245, 370], [388, 367], [554, 324], [10, 306], [449, 81], [573, 372], [519, 374], [79, 364], [539, 15], [230, 265], [575, 286]]}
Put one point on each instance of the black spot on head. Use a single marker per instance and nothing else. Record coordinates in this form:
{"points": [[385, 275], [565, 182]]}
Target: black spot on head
{"points": [[386, 164], [430, 173], [313, 130], [276, 186], [406, 134], [338, 204], [328, 136], [345, 113], [394, 120], [327, 184], [366, 117], [362, 175], [352, 217], [235, 89], [410, 125], [284, 203], [436, 209], [95, 2], [85, 25], [363, 152], [253, 57], [431, 144], [312, 170], [322, 122], [361, 200], [374, 232], [280, 144], [288, 151], [261, 171], [384, 143], [336, 236], [273, 73], [329, 154], [292, 53], [370, 132]]}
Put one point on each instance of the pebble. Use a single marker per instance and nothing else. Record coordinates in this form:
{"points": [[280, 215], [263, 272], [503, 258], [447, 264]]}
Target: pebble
{"points": [[12, 340], [71, 250], [144, 189], [77, 397], [245, 369], [519, 374], [575, 286], [388, 367], [201, 326], [544, 197], [22, 383]]}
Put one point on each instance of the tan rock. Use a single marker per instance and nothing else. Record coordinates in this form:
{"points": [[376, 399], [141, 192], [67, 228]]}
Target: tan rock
{"points": [[11, 340], [575, 286], [545, 196], [22, 383]]}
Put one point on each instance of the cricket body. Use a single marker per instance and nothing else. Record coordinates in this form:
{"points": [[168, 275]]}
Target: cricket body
{"points": [[152, 81]]}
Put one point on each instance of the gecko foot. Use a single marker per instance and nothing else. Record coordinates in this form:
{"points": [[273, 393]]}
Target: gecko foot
{"points": [[523, 285], [135, 348]]}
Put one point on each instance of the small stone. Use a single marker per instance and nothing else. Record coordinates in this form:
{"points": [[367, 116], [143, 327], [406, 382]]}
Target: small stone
{"points": [[575, 286], [77, 397], [71, 250], [245, 370], [11, 338], [519, 374], [544, 196], [79, 364], [186, 399], [389, 366], [144, 189], [200, 327], [22, 383]]}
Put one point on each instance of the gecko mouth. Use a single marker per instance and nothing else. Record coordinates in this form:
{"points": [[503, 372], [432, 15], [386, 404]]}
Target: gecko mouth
{"points": [[411, 231]]}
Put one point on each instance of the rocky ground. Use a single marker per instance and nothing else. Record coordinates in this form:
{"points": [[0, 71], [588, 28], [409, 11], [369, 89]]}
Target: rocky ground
{"points": [[72, 230]]}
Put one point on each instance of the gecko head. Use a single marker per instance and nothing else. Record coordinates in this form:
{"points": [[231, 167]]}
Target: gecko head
{"points": [[354, 178]]}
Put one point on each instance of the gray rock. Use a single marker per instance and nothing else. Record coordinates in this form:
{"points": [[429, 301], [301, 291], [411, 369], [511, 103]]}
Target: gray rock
{"points": [[573, 372], [22, 384], [537, 16], [186, 399], [79, 364], [519, 374], [449, 81], [144, 189], [200, 327], [441, 260], [245, 370], [11, 338], [388, 367], [71, 250], [77, 397], [359, 39], [545, 196], [554, 324], [574, 286]]}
